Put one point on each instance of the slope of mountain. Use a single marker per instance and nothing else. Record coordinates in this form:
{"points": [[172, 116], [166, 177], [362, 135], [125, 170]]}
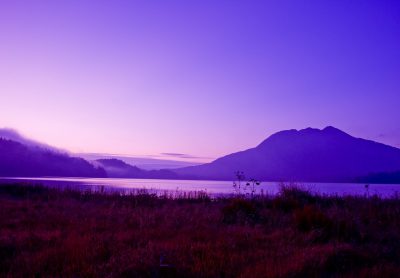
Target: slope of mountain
{"points": [[387, 177], [116, 168], [309, 155], [13, 135], [19, 160]]}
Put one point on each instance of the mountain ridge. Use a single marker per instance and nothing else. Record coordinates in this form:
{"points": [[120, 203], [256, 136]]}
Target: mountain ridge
{"points": [[305, 155]]}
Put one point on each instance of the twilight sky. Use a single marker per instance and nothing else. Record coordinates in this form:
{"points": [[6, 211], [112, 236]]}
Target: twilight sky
{"points": [[202, 78]]}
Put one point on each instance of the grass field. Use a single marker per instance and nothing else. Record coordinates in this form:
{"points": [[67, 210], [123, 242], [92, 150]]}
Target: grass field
{"points": [[64, 233]]}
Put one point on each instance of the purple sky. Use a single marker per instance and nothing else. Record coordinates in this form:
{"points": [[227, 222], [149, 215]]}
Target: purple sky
{"points": [[203, 78]]}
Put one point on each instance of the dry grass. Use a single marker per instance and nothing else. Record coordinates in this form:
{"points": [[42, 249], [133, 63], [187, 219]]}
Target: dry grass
{"points": [[50, 233]]}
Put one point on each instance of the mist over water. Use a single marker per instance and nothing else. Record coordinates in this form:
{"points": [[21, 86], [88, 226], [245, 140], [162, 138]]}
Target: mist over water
{"points": [[214, 188]]}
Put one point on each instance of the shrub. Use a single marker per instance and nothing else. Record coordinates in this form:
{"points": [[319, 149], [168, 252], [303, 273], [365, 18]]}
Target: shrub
{"points": [[23, 191], [239, 211], [310, 217], [346, 259], [7, 251], [291, 197]]}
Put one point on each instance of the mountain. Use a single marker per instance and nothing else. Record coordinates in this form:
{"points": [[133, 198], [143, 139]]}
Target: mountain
{"points": [[116, 168], [35, 160], [308, 155]]}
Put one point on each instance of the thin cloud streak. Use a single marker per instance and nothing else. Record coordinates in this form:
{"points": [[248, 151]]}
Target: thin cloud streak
{"points": [[182, 155]]}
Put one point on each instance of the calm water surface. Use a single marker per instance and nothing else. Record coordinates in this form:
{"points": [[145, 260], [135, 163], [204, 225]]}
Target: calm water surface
{"points": [[211, 187]]}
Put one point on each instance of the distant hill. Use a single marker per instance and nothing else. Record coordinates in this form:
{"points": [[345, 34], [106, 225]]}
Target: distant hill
{"points": [[144, 163], [35, 160], [309, 155], [116, 168]]}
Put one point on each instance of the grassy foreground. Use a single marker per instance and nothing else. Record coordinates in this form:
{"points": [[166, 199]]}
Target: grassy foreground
{"points": [[52, 233]]}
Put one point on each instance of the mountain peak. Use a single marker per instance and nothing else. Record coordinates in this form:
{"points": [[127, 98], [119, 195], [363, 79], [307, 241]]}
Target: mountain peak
{"points": [[328, 129], [309, 130], [334, 130], [287, 136]]}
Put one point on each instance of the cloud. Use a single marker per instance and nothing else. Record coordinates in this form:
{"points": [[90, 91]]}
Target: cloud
{"points": [[168, 156], [183, 155], [174, 154]]}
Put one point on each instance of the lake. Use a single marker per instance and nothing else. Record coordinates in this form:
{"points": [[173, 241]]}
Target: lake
{"points": [[211, 187]]}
